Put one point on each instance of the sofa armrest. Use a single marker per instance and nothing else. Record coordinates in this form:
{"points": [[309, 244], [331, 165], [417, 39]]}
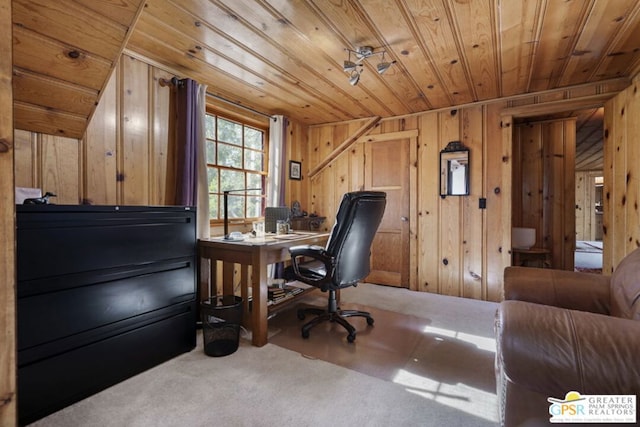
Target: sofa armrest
{"points": [[560, 288], [552, 350]]}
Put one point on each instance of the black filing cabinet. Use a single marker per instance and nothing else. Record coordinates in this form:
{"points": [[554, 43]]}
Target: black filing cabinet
{"points": [[104, 292]]}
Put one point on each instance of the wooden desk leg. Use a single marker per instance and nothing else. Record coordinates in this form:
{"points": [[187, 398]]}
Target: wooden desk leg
{"points": [[204, 273], [245, 280], [259, 294], [213, 278], [228, 276]]}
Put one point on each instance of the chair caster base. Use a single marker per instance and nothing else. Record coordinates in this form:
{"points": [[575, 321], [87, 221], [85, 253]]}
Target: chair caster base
{"points": [[338, 316]]}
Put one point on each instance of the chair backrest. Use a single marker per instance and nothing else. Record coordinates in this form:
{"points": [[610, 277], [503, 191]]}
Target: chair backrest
{"points": [[357, 222], [625, 287]]}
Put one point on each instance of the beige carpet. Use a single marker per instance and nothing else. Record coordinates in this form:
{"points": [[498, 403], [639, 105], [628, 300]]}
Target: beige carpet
{"points": [[447, 381]]}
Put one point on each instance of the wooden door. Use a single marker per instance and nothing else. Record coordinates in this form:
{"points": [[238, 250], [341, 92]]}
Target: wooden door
{"points": [[387, 169]]}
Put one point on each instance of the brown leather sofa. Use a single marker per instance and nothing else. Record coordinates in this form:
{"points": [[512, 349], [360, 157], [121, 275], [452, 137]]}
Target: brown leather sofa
{"points": [[560, 331]]}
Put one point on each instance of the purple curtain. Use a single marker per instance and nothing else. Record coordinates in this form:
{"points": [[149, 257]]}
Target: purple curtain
{"points": [[186, 143]]}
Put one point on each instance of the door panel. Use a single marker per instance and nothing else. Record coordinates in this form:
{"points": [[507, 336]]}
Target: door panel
{"points": [[387, 169]]}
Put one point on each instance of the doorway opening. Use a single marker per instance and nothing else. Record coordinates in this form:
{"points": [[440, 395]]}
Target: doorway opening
{"points": [[554, 155]]}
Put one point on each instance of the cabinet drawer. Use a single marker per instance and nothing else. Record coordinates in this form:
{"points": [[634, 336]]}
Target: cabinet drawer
{"points": [[52, 314], [52, 243]]}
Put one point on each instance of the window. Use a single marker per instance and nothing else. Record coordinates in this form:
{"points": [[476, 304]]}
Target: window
{"points": [[236, 160]]}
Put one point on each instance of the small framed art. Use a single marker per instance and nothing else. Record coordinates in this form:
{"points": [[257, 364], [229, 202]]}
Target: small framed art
{"points": [[295, 170]]}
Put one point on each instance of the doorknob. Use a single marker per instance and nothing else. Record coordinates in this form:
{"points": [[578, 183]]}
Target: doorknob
{"points": [[404, 219]]}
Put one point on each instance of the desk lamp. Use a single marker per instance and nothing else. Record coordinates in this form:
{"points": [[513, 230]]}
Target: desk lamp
{"points": [[225, 196]]}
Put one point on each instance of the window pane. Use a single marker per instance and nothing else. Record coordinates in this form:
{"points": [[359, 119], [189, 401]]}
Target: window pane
{"points": [[236, 157], [254, 207], [211, 152], [231, 180], [231, 156], [210, 126], [212, 179], [254, 180], [213, 207], [253, 160], [235, 207], [229, 132], [253, 138]]}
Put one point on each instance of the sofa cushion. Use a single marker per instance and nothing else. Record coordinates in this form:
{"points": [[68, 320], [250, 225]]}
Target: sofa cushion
{"points": [[554, 350], [559, 288], [625, 287]]}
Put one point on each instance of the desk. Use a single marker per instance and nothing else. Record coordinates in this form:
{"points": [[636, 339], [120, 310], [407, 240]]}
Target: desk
{"points": [[257, 253], [540, 257]]}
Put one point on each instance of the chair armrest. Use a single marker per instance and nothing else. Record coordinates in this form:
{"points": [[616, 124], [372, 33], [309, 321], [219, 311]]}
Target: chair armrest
{"points": [[560, 288], [553, 350], [311, 272], [306, 250]]}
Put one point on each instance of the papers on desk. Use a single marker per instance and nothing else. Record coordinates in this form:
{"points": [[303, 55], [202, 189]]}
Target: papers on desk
{"points": [[236, 236], [289, 236], [251, 240]]}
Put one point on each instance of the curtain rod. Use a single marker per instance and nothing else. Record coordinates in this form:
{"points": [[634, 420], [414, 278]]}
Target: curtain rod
{"points": [[241, 106], [175, 82]]}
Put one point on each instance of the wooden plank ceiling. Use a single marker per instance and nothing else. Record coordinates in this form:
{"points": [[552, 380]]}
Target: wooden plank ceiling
{"points": [[286, 56]]}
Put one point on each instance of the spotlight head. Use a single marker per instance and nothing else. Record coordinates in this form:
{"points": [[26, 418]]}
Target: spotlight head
{"points": [[349, 66], [354, 78], [384, 66]]}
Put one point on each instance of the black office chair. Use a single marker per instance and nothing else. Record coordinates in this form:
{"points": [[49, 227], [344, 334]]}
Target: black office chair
{"points": [[344, 261]]}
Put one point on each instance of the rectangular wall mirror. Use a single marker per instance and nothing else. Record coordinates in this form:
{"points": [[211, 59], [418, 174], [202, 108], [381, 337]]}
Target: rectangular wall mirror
{"points": [[454, 170]]}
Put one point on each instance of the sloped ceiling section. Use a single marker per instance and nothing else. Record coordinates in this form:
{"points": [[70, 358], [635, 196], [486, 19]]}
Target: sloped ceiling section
{"points": [[63, 54]]}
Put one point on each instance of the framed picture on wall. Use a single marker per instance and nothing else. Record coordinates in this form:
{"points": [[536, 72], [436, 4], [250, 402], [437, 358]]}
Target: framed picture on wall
{"points": [[295, 170]]}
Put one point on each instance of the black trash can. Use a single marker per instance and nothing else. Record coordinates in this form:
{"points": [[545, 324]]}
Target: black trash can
{"points": [[221, 319]]}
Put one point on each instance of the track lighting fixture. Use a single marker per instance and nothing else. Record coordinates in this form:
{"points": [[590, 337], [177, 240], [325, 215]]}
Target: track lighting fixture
{"points": [[361, 54]]}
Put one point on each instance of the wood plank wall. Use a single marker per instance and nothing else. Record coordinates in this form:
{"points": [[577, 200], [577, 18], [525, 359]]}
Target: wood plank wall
{"points": [[472, 240], [123, 157], [8, 408], [543, 186], [621, 192]]}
